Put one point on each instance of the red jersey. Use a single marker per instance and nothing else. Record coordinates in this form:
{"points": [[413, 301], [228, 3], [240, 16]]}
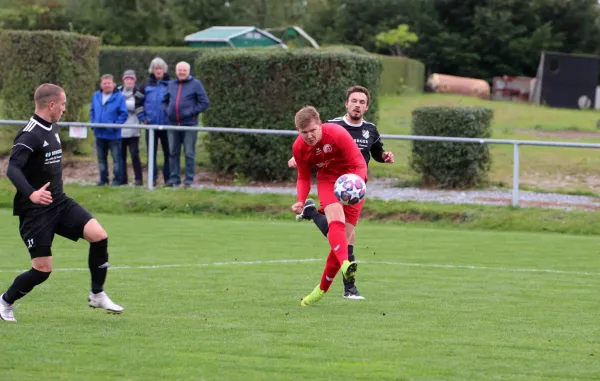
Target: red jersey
{"points": [[334, 155]]}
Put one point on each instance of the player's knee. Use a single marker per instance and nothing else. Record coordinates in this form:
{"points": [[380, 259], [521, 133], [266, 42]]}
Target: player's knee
{"points": [[94, 232], [335, 212]]}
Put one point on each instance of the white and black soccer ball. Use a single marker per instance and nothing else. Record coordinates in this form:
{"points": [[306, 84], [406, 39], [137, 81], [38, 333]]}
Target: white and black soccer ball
{"points": [[350, 189]]}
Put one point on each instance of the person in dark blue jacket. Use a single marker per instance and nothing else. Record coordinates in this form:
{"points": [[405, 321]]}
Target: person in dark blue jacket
{"points": [[185, 100], [149, 110], [108, 106]]}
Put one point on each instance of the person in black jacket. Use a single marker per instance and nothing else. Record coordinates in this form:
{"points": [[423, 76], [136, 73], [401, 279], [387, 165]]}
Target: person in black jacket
{"points": [[44, 210]]}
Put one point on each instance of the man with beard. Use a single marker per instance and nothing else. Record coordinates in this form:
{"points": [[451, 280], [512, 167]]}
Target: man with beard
{"points": [[367, 139]]}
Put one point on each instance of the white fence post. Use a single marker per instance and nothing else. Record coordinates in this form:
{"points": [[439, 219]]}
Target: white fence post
{"points": [[151, 158], [515, 190]]}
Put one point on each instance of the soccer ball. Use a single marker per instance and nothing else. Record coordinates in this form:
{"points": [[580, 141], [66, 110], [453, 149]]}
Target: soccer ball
{"points": [[349, 189]]}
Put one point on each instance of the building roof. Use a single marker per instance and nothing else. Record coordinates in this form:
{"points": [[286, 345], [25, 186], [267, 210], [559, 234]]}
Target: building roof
{"points": [[226, 33], [300, 32]]}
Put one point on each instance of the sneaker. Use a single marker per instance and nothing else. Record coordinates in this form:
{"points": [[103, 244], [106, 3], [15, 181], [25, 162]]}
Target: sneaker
{"points": [[352, 293], [6, 311], [312, 298], [101, 300], [309, 205], [349, 270]]}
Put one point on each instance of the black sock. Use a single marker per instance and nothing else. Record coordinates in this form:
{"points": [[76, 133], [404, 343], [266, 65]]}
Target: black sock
{"points": [[321, 221], [98, 262], [23, 284], [311, 212], [350, 258]]}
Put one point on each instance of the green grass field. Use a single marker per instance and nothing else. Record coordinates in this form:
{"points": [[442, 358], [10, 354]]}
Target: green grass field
{"points": [[211, 299]]}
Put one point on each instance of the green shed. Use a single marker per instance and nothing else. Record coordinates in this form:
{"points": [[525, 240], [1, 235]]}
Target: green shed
{"points": [[232, 36]]}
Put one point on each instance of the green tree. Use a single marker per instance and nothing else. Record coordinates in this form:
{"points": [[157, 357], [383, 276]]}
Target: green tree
{"points": [[396, 40]]}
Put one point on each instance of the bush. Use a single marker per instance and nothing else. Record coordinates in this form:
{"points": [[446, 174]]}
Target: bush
{"points": [[264, 89], [115, 60], [32, 58], [447, 164], [346, 48], [401, 74]]}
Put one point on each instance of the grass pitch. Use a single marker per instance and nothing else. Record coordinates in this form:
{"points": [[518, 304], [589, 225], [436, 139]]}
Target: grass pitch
{"points": [[219, 300]]}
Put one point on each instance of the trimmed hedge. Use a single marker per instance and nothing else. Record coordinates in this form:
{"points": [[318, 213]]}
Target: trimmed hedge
{"points": [[264, 89], [116, 59], [67, 59], [401, 74], [448, 164]]}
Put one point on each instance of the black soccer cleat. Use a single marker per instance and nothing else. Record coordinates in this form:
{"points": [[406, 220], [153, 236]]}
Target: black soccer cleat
{"points": [[309, 208], [350, 290]]}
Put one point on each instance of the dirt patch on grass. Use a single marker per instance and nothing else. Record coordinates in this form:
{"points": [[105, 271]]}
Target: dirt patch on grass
{"points": [[542, 204], [562, 134], [412, 216]]}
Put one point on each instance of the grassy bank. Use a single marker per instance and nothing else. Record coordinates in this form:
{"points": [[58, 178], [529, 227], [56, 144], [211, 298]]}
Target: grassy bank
{"points": [[210, 203]]}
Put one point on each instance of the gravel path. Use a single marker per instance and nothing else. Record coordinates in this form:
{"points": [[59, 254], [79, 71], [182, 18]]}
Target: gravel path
{"points": [[384, 190]]}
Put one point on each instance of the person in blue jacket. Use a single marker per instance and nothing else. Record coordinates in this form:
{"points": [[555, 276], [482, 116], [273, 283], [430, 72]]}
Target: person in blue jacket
{"points": [[150, 110], [108, 106], [184, 101]]}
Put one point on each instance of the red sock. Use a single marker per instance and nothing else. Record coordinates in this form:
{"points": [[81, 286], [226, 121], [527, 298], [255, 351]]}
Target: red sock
{"points": [[331, 269], [338, 241]]}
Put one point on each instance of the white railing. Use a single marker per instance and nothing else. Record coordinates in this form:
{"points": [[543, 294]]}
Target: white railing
{"points": [[151, 128]]}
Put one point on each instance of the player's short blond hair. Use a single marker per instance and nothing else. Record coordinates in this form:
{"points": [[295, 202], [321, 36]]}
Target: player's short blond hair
{"points": [[46, 93], [306, 116]]}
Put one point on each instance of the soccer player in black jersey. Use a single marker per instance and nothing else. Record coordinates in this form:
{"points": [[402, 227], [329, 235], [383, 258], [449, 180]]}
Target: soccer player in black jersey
{"points": [[35, 169], [367, 138]]}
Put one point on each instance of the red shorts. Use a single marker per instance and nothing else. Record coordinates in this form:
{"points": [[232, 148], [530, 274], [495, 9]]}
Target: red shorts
{"points": [[327, 197]]}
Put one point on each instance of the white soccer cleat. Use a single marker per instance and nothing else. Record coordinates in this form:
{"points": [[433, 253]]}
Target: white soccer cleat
{"points": [[6, 311], [101, 300]]}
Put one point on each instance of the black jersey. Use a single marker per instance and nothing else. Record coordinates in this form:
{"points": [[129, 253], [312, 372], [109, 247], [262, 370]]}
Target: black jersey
{"points": [[365, 136], [36, 159]]}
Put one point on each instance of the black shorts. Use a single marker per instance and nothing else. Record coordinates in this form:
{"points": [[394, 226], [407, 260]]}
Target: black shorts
{"points": [[38, 226]]}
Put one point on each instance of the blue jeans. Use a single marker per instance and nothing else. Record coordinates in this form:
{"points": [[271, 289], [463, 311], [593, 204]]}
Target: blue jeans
{"points": [[102, 148], [188, 139]]}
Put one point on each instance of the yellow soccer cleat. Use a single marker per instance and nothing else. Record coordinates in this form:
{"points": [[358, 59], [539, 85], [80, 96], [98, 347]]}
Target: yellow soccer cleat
{"points": [[349, 270], [312, 298]]}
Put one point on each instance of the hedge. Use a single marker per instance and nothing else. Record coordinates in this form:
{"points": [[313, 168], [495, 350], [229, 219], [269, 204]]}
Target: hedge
{"points": [[448, 164], [264, 89], [67, 59], [401, 74]]}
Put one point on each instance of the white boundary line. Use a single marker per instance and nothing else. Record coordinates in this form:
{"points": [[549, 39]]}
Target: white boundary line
{"points": [[181, 265], [402, 264], [470, 267]]}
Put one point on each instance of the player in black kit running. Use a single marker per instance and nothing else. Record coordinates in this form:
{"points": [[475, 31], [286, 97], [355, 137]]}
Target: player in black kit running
{"points": [[35, 169], [366, 136]]}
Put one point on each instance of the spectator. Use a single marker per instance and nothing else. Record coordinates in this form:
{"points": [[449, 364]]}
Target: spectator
{"points": [[185, 100], [131, 136], [150, 110], [108, 106]]}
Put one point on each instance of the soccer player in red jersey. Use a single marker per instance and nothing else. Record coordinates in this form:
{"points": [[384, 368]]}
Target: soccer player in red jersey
{"points": [[331, 149]]}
